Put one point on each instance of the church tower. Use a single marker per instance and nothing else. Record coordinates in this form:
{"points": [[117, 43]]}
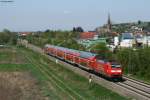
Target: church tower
{"points": [[109, 24]]}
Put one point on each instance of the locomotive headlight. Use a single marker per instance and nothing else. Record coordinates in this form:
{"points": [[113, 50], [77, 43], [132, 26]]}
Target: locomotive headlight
{"points": [[113, 71], [116, 71]]}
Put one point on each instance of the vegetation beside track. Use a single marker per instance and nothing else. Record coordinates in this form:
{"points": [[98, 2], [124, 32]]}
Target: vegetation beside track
{"points": [[17, 74], [59, 38], [136, 63]]}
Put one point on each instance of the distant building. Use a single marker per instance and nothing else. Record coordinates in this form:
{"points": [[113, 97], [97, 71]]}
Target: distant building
{"points": [[106, 28], [88, 35], [135, 28], [90, 38], [109, 24], [127, 40], [88, 43], [24, 33]]}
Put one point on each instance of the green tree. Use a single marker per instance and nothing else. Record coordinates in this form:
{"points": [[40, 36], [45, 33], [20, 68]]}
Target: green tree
{"points": [[139, 22], [102, 50], [135, 62], [8, 37]]}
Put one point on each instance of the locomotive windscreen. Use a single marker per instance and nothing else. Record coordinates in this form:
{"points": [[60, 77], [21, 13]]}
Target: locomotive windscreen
{"points": [[115, 64], [101, 58]]}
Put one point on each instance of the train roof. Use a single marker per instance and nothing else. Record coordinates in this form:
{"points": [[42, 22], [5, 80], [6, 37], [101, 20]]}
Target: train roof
{"points": [[83, 54], [63, 48]]}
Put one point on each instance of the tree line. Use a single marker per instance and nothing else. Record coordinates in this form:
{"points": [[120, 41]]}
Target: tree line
{"points": [[135, 62], [8, 37], [59, 38]]}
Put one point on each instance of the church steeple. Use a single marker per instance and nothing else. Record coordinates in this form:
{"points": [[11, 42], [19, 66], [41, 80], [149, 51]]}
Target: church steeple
{"points": [[109, 23]]}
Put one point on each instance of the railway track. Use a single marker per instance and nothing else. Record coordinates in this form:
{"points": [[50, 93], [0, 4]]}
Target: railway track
{"points": [[130, 87], [137, 81], [137, 87]]}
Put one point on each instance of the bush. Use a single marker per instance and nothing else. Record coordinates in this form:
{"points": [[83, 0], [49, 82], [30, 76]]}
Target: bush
{"points": [[102, 50], [8, 37], [59, 38], [135, 62]]}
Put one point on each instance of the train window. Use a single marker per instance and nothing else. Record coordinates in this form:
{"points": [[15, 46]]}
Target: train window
{"points": [[115, 65], [101, 61], [101, 58]]}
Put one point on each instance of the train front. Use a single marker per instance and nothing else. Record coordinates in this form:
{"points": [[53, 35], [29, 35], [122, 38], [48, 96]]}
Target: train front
{"points": [[115, 70]]}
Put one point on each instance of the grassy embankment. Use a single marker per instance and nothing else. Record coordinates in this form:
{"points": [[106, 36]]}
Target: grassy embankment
{"points": [[56, 82]]}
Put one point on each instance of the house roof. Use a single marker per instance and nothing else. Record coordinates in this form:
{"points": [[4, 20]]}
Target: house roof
{"points": [[24, 33], [87, 35]]}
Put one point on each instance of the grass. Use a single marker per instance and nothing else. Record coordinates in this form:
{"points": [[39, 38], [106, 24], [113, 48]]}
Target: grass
{"points": [[11, 60], [57, 82], [14, 67], [10, 55]]}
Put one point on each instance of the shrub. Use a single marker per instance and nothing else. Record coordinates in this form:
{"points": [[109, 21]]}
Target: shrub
{"points": [[135, 62]]}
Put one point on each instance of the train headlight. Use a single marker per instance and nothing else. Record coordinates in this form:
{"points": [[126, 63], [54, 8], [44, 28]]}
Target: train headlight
{"points": [[113, 71], [116, 71]]}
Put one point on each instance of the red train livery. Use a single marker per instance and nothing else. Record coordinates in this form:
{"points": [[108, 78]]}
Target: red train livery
{"points": [[87, 60]]}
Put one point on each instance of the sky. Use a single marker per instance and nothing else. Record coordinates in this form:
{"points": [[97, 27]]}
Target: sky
{"points": [[39, 15]]}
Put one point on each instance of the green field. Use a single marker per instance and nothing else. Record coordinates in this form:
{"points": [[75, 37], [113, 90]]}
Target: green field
{"points": [[55, 82]]}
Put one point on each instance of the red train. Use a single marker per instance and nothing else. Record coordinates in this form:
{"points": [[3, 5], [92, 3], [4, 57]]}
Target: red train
{"points": [[87, 60]]}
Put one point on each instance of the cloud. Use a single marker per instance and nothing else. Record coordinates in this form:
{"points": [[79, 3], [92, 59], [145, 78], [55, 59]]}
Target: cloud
{"points": [[66, 12]]}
